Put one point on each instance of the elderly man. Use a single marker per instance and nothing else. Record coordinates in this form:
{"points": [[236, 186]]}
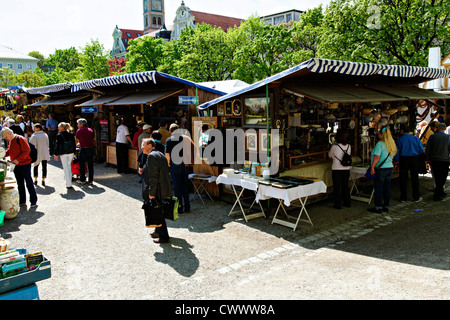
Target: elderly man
{"points": [[85, 140], [438, 150], [156, 185], [19, 154]]}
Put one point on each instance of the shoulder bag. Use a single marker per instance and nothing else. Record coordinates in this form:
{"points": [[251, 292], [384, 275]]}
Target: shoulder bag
{"points": [[369, 173]]}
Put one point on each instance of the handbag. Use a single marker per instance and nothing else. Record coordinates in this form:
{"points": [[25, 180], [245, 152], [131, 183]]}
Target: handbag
{"points": [[170, 208], [369, 174], [153, 211], [422, 164], [67, 147]]}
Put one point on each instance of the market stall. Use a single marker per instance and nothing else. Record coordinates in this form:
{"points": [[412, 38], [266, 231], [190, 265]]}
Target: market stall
{"points": [[310, 102], [150, 96]]}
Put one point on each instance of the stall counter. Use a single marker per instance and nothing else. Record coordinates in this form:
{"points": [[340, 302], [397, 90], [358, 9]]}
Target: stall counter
{"points": [[132, 157]]}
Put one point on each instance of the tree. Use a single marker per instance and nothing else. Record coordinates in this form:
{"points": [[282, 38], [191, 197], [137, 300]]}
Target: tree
{"points": [[93, 60], [7, 77], [385, 31], [144, 54], [29, 79], [66, 59], [267, 50], [206, 54], [117, 66], [38, 55]]}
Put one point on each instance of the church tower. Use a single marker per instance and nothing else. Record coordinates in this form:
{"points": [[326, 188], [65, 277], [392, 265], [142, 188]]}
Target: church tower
{"points": [[154, 15]]}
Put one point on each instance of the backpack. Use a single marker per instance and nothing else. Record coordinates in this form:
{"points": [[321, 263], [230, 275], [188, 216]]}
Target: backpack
{"points": [[33, 150], [346, 160]]}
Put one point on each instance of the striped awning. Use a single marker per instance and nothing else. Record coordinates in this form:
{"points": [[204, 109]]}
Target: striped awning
{"points": [[142, 98], [49, 89], [59, 101], [134, 78], [102, 100], [338, 68]]}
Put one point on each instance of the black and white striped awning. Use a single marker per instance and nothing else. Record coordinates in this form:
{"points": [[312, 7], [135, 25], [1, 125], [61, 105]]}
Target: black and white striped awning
{"points": [[50, 89], [343, 68]]}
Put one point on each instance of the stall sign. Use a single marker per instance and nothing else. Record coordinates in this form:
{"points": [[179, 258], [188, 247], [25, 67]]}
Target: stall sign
{"points": [[104, 131], [182, 100], [89, 109]]}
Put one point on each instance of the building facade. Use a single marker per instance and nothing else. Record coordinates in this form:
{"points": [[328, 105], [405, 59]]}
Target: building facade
{"points": [[283, 17], [17, 61], [154, 15], [121, 41], [187, 17]]}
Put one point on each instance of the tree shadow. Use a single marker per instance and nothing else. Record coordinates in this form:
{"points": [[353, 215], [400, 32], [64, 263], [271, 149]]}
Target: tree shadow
{"points": [[179, 256]]}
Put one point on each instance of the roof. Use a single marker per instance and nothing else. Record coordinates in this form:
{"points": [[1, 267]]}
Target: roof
{"points": [[216, 20], [7, 53], [324, 71], [137, 78], [227, 86], [129, 34]]}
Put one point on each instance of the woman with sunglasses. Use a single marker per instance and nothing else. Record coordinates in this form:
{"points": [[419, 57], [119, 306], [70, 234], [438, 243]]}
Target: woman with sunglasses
{"points": [[382, 167]]}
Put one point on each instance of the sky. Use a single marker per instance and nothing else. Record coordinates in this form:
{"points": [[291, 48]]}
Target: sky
{"points": [[47, 25]]}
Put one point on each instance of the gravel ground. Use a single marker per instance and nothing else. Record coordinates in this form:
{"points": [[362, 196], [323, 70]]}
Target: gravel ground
{"points": [[98, 246]]}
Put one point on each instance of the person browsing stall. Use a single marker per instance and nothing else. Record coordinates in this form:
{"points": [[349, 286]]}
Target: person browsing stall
{"points": [[409, 148], [85, 140], [40, 141], [340, 173], [156, 183], [19, 154]]}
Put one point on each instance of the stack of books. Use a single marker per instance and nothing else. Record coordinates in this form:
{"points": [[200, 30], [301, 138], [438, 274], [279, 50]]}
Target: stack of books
{"points": [[13, 263]]}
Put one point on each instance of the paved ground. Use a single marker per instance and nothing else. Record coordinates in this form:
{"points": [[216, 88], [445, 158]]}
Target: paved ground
{"points": [[99, 248]]}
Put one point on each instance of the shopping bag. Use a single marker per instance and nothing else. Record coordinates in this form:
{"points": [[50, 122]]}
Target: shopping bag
{"points": [[422, 164], [369, 174], [153, 211], [170, 208]]}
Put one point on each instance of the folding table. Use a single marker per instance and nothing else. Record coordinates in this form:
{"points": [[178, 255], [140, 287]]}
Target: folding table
{"points": [[244, 184], [204, 180], [355, 173], [286, 196]]}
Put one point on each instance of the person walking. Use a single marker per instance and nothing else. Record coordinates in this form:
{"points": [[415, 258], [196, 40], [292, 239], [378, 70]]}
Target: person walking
{"points": [[409, 149], [19, 154], [65, 149], [437, 151], [156, 184], [178, 170], [382, 167], [40, 140], [122, 139], [85, 140], [340, 172], [52, 128]]}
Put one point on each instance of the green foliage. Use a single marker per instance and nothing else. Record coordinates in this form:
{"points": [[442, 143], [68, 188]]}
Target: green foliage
{"points": [[7, 77], [38, 55], [145, 54], [66, 59], [94, 61]]}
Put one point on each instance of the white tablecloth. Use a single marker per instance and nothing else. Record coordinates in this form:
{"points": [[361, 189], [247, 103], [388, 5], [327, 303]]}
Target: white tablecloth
{"points": [[208, 179], [246, 184], [291, 194]]}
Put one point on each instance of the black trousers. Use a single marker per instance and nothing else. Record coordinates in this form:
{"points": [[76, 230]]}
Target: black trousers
{"points": [[122, 157], [44, 169], [409, 165], [440, 173], [52, 141], [341, 191]]}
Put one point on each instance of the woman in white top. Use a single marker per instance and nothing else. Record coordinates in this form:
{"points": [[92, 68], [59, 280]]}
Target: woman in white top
{"points": [[40, 141], [340, 173]]}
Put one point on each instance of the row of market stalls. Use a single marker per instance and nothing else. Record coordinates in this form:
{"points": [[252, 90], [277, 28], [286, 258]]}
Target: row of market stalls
{"points": [[307, 103]]}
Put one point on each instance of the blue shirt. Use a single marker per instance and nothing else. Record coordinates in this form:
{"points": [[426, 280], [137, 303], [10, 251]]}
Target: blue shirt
{"points": [[381, 151], [408, 146], [52, 123]]}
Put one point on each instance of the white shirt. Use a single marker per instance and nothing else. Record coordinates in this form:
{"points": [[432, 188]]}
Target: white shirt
{"points": [[122, 133], [337, 154]]}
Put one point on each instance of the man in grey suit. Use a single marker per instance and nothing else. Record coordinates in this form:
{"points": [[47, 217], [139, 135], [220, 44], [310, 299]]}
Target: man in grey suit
{"points": [[156, 183]]}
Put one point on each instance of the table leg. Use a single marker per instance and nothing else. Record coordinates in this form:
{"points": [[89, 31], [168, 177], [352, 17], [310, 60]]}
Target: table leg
{"points": [[197, 191], [290, 224]]}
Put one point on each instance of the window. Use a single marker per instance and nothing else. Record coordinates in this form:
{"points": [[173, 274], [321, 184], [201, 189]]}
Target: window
{"points": [[159, 22], [19, 66], [128, 35], [1, 65], [154, 20], [29, 67], [138, 34], [278, 20], [146, 21], [268, 21], [288, 17], [10, 65]]}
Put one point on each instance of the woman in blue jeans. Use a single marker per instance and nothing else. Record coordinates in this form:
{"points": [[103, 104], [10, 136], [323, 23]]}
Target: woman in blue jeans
{"points": [[382, 167]]}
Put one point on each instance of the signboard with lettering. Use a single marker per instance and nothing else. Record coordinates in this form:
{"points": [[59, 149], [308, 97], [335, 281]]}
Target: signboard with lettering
{"points": [[183, 100], [104, 131], [89, 109]]}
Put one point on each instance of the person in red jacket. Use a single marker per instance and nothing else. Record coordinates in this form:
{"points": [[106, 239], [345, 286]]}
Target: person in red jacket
{"points": [[19, 154]]}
